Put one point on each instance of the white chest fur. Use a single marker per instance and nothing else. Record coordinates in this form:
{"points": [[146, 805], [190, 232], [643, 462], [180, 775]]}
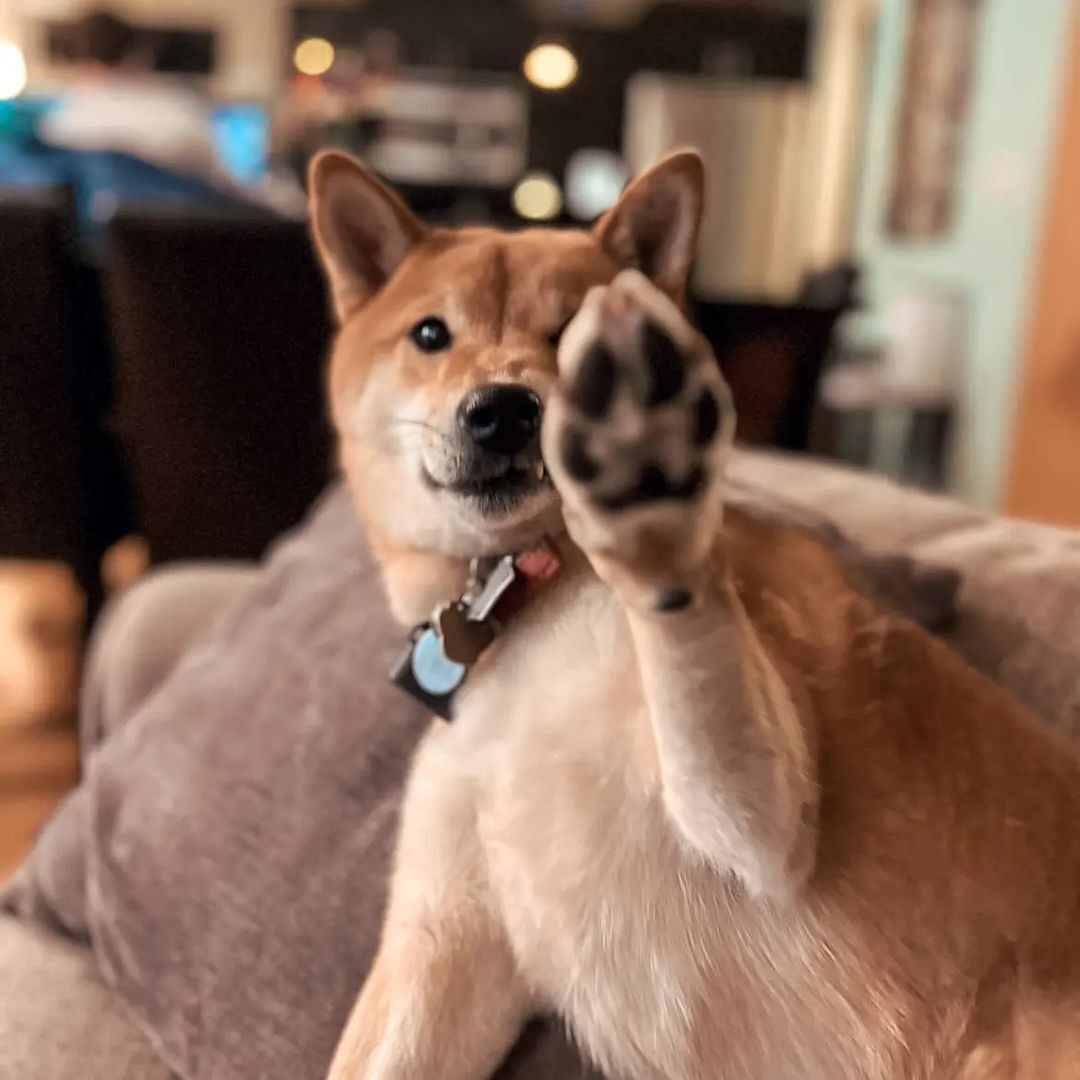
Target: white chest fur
{"points": [[660, 963]]}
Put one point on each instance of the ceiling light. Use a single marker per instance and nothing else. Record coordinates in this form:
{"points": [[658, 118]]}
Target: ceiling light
{"points": [[537, 197], [12, 70], [550, 66], [314, 56]]}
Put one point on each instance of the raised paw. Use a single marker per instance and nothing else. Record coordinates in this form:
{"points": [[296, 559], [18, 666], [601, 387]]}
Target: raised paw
{"points": [[635, 436]]}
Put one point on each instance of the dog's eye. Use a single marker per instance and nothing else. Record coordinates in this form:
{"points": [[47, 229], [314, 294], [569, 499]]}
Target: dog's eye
{"points": [[556, 337], [431, 335]]}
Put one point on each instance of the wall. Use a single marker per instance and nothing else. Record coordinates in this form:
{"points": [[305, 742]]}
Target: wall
{"points": [[1016, 96], [252, 41]]}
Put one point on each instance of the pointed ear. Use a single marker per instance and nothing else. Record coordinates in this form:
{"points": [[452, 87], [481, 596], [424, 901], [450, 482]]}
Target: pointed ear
{"points": [[362, 229], [654, 225]]}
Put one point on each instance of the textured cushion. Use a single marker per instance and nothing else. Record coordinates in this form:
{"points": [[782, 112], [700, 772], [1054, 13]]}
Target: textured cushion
{"points": [[227, 854], [57, 1020]]}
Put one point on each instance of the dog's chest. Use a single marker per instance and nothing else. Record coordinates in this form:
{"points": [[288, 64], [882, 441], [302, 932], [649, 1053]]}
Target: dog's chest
{"points": [[566, 655], [640, 945]]}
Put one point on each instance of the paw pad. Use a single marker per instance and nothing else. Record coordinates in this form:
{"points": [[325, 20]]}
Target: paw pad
{"points": [[706, 418], [654, 485], [575, 456], [671, 600], [665, 367], [594, 388]]}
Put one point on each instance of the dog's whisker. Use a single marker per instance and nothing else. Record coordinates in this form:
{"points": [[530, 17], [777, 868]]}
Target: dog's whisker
{"points": [[410, 422], [404, 426]]}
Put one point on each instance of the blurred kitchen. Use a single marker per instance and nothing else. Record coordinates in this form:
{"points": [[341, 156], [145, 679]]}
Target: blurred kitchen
{"points": [[885, 273]]}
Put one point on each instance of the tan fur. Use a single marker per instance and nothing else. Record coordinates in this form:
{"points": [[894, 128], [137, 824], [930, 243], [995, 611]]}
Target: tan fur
{"points": [[781, 835]]}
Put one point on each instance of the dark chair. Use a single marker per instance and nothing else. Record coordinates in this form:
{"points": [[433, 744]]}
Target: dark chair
{"points": [[220, 326], [772, 355], [58, 485]]}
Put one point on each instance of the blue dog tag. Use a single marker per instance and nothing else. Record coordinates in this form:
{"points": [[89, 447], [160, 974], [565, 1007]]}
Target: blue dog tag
{"points": [[425, 673], [433, 672]]}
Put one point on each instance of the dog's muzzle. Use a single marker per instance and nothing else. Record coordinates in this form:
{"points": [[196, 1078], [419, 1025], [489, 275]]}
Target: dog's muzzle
{"points": [[499, 463]]}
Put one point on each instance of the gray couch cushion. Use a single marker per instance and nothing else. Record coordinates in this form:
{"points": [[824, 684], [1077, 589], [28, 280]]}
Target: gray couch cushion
{"points": [[227, 854], [57, 1019]]}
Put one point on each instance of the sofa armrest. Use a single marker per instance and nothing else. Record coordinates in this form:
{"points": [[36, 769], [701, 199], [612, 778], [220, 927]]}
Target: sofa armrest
{"points": [[57, 1020]]}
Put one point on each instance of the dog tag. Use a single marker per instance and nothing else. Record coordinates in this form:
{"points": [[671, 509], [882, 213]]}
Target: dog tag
{"points": [[463, 638], [433, 670], [427, 674], [494, 588], [441, 652]]}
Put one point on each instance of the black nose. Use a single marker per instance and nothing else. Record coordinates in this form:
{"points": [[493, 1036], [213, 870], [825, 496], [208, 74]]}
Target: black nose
{"points": [[501, 418]]}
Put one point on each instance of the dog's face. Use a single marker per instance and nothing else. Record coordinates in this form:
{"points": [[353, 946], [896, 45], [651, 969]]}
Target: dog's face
{"points": [[448, 348]]}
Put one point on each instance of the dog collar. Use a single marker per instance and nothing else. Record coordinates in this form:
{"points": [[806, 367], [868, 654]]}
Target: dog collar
{"points": [[442, 651]]}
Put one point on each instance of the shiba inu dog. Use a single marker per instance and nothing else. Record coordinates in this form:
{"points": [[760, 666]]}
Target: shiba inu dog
{"points": [[700, 798]]}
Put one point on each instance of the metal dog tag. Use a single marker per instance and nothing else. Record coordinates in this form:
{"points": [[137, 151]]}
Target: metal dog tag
{"points": [[494, 588], [463, 638]]}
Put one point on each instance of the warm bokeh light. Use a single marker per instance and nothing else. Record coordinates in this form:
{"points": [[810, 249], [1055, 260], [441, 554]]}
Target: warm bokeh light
{"points": [[12, 70], [314, 56], [537, 197], [551, 66]]}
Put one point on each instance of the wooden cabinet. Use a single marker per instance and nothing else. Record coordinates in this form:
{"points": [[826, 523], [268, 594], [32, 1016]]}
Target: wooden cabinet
{"points": [[1044, 474]]}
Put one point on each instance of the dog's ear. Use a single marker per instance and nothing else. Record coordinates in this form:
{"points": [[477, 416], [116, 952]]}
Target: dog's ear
{"points": [[362, 229], [654, 225]]}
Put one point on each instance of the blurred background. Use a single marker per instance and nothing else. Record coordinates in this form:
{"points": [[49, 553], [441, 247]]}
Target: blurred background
{"points": [[886, 270]]}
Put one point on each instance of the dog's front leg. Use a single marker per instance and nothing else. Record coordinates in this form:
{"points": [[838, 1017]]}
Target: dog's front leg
{"points": [[636, 437], [734, 763], [443, 1000]]}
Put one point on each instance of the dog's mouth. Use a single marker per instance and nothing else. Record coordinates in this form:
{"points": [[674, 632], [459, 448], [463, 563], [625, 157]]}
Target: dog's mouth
{"points": [[496, 491], [514, 478]]}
